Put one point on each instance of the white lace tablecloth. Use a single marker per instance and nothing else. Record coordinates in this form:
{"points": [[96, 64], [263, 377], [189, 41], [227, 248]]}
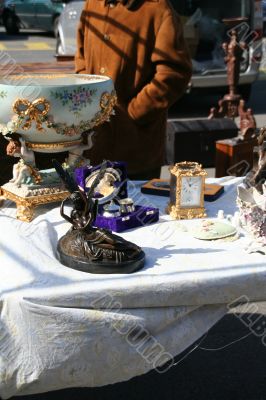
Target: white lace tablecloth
{"points": [[63, 328]]}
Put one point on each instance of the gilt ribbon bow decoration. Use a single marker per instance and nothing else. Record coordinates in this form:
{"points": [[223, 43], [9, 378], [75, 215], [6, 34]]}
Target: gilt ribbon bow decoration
{"points": [[32, 111]]}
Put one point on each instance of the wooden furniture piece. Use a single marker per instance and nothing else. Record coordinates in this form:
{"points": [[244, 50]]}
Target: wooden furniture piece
{"points": [[55, 67], [234, 156], [194, 140], [64, 58]]}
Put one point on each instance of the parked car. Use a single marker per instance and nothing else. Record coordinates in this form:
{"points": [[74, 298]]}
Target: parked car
{"points": [[41, 14], [204, 30], [67, 26]]}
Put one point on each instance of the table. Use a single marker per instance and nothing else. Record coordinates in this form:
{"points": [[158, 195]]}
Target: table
{"points": [[64, 328], [62, 66]]}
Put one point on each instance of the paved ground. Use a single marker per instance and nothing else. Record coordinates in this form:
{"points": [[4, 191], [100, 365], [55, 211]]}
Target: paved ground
{"points": [[28, 46]]}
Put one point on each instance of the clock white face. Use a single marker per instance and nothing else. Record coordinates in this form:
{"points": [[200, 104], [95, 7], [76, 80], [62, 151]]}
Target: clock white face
{"points": [[191, 187]]}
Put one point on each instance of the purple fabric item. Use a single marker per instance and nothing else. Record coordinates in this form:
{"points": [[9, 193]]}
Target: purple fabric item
{"points": [[140, 217]]}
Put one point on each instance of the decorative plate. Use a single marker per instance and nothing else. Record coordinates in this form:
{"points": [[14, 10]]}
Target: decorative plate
{"points": [[213, 230]]}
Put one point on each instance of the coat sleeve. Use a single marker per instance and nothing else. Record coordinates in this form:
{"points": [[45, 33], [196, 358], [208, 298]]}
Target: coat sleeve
{"points": [[79, 56], [172, 66]]}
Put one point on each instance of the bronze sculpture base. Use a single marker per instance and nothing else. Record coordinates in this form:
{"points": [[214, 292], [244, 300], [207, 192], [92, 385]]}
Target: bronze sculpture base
{"points": [[99, 251]]}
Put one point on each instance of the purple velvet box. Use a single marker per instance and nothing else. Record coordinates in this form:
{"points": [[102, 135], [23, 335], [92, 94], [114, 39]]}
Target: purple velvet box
{"points": [[140, 217]]}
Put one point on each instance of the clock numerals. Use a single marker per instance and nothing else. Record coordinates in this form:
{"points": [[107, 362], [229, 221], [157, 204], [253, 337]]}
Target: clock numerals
{"points": [[191, 191]]}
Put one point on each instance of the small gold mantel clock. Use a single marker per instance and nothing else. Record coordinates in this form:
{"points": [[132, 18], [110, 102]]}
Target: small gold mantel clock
{"points": [[187, 191]]}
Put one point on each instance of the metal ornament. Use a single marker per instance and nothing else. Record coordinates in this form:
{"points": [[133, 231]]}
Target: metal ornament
{"points": [[126, 205], [34, 111], [187, 191], [59, 119], [106, 186], [87, 248], [27, 204], [232, 105], [111, 210]]}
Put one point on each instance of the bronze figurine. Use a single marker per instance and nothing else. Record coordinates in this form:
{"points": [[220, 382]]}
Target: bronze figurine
{"points": [[232, 105], [87, 248]]}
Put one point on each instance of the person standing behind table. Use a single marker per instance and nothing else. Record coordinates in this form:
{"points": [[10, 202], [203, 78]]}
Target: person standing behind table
{"points": [[140, 45]]}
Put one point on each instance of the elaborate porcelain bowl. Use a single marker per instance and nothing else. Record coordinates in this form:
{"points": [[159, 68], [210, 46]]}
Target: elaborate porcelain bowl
{"points": [[51, 111]]}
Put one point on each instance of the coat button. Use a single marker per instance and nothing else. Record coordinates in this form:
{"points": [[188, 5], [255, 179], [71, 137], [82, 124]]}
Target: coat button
{"points": [[106, 37], [102, 70]]}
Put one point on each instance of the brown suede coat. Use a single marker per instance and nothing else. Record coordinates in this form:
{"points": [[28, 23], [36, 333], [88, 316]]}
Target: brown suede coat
{"points": [[142, 49]]}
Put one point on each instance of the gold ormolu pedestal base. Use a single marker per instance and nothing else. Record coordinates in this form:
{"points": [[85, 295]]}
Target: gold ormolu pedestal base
{"points": [[189, 213], [26, 205]]}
